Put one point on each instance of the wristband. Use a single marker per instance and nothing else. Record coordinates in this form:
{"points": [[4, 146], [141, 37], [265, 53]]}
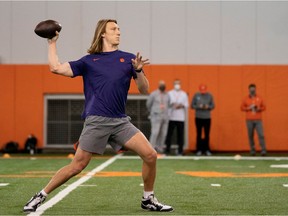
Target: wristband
{"points": [[138, 71]]}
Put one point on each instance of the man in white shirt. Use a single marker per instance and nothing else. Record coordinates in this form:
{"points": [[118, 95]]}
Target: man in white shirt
{"points": [[178, 105]]}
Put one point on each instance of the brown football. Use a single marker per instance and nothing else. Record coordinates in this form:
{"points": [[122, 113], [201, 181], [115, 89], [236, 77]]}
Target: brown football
{"points": [[47, 28]]}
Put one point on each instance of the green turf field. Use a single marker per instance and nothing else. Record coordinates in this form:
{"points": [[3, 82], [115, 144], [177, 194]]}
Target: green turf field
{"points": [[192, 185]]}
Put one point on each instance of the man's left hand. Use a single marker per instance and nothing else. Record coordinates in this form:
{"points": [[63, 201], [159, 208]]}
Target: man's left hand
{"points": [[138, 63]]}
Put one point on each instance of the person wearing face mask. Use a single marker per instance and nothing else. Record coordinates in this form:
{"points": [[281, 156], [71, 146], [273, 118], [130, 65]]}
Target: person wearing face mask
{"points": [[202, 103], [253, 105], [157, 105], [178, 104]]}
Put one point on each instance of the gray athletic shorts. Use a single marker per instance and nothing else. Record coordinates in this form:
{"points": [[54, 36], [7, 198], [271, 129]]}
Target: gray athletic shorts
{"points": [[98, 131]]}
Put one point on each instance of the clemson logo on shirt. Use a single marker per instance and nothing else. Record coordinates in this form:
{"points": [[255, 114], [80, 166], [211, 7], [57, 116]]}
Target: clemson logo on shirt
{"points": [[122, 60]]}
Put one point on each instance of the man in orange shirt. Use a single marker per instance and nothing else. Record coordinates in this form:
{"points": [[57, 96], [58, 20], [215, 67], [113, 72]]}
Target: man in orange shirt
{"points": [[253, 105]]}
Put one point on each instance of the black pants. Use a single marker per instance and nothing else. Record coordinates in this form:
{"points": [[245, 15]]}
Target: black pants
{"points": [[202, 144], [179, 125]]}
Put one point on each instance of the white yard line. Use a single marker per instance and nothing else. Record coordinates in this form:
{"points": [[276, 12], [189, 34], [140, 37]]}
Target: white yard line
{"points": [[62, 194], [216, 185]]}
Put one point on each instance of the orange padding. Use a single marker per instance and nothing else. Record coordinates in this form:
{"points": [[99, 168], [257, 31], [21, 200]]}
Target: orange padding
{"points": [[23, 88]]}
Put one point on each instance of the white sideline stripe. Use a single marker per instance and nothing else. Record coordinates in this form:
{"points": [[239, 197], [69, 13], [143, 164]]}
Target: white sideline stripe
{"points": [[210, 158], [4, 184], [72, 186]]}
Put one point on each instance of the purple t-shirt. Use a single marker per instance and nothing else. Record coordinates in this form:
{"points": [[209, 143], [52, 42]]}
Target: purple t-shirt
{"points": [[106, 78]]}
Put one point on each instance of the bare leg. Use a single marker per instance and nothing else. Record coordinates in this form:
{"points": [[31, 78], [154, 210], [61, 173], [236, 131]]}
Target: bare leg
{"points": [[139, 144], [79, 162]]}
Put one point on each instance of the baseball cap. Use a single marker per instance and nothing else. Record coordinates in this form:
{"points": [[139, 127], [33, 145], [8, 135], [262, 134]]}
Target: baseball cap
{"points": [[203, 88]]}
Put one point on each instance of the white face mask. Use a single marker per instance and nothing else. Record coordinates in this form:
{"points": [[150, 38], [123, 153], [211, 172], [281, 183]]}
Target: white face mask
{"points": [[177, 87]]}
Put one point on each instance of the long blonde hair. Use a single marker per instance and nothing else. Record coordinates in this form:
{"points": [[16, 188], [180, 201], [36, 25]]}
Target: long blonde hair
{"points": [[97, 43]]}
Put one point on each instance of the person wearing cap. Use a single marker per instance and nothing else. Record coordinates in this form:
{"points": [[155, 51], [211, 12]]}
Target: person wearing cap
{"points": [[157, 106], [178, 105], [202, 103], [253, 105]]}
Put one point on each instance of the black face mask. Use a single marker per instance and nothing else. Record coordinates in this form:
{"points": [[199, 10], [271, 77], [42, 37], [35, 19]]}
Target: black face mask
{"points": [[252, 92], [162, 88]]}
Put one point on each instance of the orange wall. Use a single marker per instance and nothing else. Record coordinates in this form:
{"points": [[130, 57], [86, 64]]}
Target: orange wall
{"points": [[23, 88]]}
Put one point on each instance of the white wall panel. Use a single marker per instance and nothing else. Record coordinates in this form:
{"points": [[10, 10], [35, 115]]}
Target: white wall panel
{"points": [[272, 32], [169, 32], [238, 36], [6, 32], [166, 32], [203, 33], [25, 46], [134, 19]]}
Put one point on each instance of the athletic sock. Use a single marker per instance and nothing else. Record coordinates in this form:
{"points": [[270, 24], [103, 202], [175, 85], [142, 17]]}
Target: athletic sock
{"points": [[147, 193], [43, 193]]}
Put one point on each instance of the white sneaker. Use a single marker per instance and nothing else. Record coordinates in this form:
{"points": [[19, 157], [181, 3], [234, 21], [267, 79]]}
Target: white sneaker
{"points": [[152, 204], [34, 203], [208, 153]]}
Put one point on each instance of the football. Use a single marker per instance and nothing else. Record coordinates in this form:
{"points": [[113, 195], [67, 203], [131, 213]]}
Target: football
{"points": [[47, 28]]}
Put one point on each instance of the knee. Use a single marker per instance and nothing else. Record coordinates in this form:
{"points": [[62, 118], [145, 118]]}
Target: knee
{"points": [[151, 156], [77, 168]]}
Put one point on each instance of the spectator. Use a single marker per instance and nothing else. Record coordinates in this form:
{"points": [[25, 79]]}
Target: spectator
{"points": [[30, 144], [157, 105], [254, 105], [202, 103], [178, 104]]}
